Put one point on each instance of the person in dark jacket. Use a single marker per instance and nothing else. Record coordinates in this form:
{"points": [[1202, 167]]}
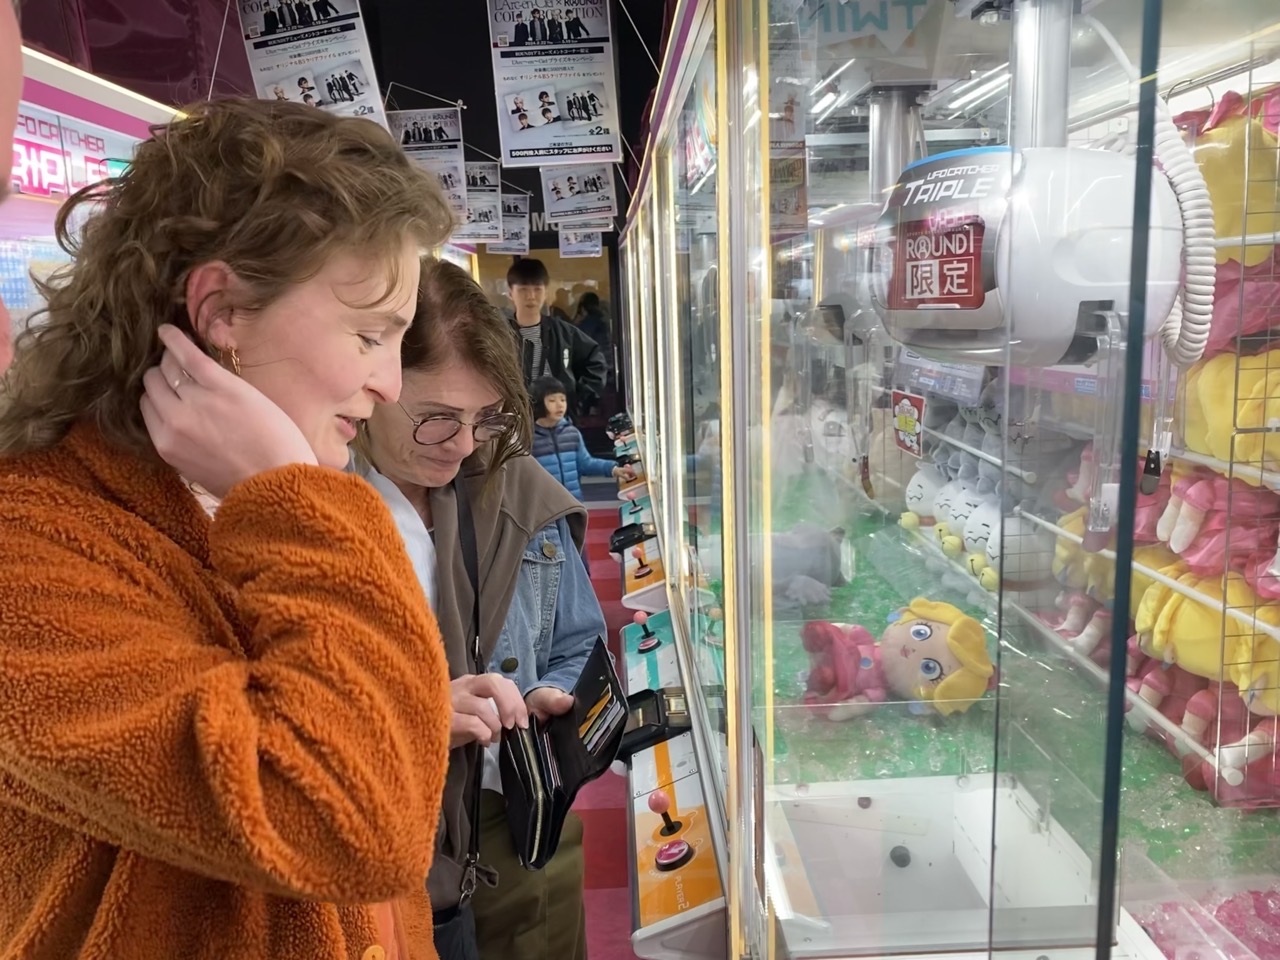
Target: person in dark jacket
{"points": [[558, 444], [550, 346]]}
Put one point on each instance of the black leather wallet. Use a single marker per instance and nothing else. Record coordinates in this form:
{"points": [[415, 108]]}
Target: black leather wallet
{"points": [[545, 766]]}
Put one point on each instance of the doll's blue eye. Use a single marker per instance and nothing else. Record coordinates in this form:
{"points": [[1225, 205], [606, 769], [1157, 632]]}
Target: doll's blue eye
{"points": [[921, 631], [930, 669]]}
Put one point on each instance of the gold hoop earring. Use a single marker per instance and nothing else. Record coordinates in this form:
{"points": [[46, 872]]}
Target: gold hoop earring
{"points": [[235, 359]]}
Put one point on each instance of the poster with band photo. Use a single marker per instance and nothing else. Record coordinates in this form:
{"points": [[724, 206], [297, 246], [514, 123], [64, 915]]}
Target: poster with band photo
{"points": [[515, 225], [483, 220], [313, 52], [578, 192], [574, 243], [554, 78], [433, 140]]}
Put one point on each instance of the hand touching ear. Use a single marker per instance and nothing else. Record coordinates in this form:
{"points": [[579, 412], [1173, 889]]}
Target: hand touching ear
{"points": [[209, 425]]}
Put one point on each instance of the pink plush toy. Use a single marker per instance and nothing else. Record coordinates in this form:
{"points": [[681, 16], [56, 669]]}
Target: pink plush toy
{"points": [[1167, 687], [931, 653], [1217, 716], [1215, 524]]}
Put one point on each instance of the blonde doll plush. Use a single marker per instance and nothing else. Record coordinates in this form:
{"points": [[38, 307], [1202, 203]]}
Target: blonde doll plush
{"points": [[931, 655]]}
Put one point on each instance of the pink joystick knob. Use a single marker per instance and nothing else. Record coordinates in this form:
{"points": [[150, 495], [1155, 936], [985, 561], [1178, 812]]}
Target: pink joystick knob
{"points": [[641, 620], [638, 553], [660, 804]]}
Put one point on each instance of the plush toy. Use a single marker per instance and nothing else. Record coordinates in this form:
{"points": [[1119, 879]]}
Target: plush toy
{"points": [[930, 655], [962, 507], [921, 497], [806, 565], [1019, 559], [982, 525]]}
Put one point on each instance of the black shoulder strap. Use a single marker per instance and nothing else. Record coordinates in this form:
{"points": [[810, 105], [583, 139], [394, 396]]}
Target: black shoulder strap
{"points": [[471, 560]]}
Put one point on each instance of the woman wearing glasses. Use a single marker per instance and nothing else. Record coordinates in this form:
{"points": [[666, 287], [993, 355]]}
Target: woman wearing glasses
{"points": [[462, 428]]}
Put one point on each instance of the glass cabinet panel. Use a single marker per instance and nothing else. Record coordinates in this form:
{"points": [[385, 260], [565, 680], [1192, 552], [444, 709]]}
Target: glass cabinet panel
{"points": [[695, 378]]}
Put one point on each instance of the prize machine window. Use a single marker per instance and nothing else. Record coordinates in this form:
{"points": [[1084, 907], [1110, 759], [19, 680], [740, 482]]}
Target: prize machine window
{"points": [[1001, 275], [912, 758], [54, 156], [651, 432], [696, 381]]}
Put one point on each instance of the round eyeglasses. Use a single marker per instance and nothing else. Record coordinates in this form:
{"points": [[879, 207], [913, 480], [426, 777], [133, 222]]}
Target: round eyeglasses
{"points": [[440, 427]]}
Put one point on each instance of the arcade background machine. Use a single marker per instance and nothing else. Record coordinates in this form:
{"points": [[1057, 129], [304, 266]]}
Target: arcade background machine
{"points": [[73, 130], [957, 410]]}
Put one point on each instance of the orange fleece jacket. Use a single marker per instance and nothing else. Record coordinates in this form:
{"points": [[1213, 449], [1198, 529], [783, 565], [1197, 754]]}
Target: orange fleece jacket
{"points": [[218, 739]]}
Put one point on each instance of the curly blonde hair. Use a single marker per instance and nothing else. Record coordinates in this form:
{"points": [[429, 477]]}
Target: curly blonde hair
{"points": [[967, 642], [270, 189]]}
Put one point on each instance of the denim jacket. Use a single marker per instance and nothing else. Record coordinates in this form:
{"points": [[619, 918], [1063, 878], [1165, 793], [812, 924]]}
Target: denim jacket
{"points": [[554, 617], [529, 564]]}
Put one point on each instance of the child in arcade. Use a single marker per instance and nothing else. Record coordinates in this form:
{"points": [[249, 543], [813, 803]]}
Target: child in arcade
{"points": [[931, 654], [558, 444]]}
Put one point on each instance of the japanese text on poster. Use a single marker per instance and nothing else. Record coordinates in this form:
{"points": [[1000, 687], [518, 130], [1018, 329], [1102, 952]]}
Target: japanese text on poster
{"points": [[578, 192], [433, 140], [483, 220], [908, 421], [515, 225], [574, 243], [554, 77], [313, 52]]}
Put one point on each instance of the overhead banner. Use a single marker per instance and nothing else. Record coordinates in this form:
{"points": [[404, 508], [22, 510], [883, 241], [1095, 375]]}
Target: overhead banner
{"points": [[578, 192], [554, 77], [580, 244], [483, 220], [54, 156], [433, 140], [515, 225], [313, 52]]}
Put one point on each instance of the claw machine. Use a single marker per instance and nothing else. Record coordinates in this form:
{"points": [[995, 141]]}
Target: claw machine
{"points": [[74, 130], [964, 474]]}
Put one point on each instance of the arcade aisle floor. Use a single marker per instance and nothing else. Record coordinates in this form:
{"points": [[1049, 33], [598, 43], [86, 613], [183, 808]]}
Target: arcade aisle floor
{"points": [[602, 804]]}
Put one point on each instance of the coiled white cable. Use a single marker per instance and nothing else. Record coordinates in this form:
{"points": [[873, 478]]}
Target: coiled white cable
{"points": [[1185, 332]]}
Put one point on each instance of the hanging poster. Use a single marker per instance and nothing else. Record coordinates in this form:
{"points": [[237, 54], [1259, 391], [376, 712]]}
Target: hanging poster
{"points": [[574, 243], [579, 191], [515, 225], [483, 219], [554, 77], [433, 140], [313, 52], [604, 224], [908, 421]]}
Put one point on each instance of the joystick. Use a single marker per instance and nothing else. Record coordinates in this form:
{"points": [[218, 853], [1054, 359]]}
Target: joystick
{"points": [[660, 803], [674, 853], [648, 639], [635, 506], [643, 570]]}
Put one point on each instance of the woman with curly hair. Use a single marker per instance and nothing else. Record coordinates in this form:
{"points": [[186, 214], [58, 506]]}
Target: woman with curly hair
{"points": [[224, 704]]}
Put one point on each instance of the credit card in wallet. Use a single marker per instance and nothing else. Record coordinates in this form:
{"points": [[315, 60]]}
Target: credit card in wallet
{"points": [[607, 724], [587, 725], [598, 722]]}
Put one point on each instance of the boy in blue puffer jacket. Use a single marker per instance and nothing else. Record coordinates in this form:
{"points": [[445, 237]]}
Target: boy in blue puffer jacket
{"points": [[558, 444]]}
